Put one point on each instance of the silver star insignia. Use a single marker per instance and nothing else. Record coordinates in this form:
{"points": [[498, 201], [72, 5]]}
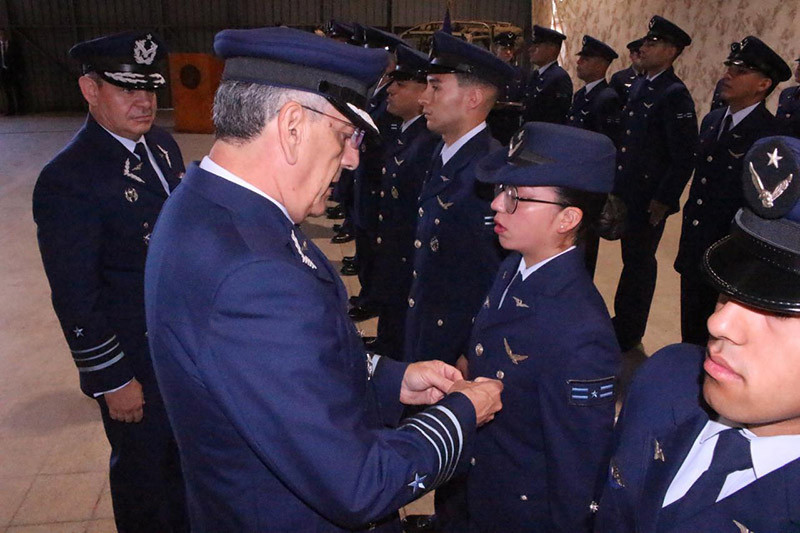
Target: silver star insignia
{"points": [[78, 331], [774, 158], [418, 484], [594, 394]]}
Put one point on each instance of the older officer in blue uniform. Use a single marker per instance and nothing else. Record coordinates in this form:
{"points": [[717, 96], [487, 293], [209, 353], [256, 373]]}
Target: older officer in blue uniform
{"points": [[548, 93], [456, 252], [654, 162], [709, 438], [367, 177], [753, 72], [280, 415], [622, 80], [545, 332], [407, 157], [789, 105], [95, 205]]}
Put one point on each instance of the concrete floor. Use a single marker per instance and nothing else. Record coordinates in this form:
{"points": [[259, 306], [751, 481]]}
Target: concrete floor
{"points": [[53, 452]]}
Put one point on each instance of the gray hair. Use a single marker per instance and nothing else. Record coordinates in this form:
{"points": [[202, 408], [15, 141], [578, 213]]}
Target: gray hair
{"points": [[242, 109]]}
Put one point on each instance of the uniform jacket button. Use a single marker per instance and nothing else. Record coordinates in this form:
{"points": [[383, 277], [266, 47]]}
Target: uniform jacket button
{"points": [[383, 193], [710, 158], [500, 374], [440, 322], [411, 302], [380, 218], [436, 221], [703, 181], [699, 201], [695, 222], [472, 461], [619, 167], [523, 497], [479, 349], [624, 149], [417, 243], [421, 212], [379, 240]]}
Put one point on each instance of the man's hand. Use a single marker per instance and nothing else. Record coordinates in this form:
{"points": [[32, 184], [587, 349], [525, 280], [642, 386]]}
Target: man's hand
{"points": [[658, 212], [484, 393], [126, 404], [426, 382]]}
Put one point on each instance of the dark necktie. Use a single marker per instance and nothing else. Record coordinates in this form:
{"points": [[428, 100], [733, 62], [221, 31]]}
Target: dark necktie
{"points": [[726, 126], [147, 172], [731, 454]]}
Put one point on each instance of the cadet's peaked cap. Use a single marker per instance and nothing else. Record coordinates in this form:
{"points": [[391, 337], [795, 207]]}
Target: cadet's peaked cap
{"points": [[506, 38], [544, 154], [546, 35], [294, 59], [130, 59], [375, 38], [661, 28], [411, 65], [758, 264], [592, 47], [752, 52], [452, 55], [635, 45]]}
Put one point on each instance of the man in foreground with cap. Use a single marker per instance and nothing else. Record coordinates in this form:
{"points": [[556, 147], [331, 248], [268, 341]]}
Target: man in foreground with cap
{"points": [[622, 80], [95, 205], [280, 414], [654, 162], [753, 71], [407, 156], [709, 438], [548, 93], [456, 251], [789, 105], [595, 107]]}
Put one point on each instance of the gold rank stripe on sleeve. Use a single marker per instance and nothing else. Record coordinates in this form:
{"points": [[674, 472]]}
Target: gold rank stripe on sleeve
{"points": [[99, 357]]}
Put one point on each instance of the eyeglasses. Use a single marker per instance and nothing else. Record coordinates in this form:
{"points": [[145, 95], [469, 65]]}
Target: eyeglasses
{"points": [[355, 138], [511, 198]]}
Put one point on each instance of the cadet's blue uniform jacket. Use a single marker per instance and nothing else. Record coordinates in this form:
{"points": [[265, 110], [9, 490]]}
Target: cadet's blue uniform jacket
{"points": [[265, 379], [658, 137], [548, 96], [406, 160], [456, 255], [663, 409], [599, 111], [716, 191], [789, 111], [540, 464], [622, 81], [94, 217]]}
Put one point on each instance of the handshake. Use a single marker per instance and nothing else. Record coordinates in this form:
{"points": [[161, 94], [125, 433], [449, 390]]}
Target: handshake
{"points": [[427, 382]]}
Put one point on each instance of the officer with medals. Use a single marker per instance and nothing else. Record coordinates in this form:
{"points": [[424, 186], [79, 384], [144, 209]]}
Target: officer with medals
{"points": [[544, 330], [456, 252], [505, 118], [789, 105], [654, 162], [367, 177], [548, 93], [406, 158], [709, 437], [95, 205], [753, 72], [282, 417], [622, 80]]}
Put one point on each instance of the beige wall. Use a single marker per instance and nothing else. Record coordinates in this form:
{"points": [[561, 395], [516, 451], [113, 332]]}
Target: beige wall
{"points": [[712, 24]]}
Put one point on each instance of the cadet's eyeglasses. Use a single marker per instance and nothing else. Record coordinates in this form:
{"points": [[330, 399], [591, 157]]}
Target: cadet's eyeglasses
{"points": [[511, 198], [355, 138]]}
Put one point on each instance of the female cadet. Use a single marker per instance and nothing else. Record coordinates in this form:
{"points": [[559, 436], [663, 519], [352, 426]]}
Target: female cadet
{"points": [[545, 331]]}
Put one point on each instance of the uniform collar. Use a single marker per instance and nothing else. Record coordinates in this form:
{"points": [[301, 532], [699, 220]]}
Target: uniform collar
{"points": [[591, 85], [449, 151], [404, 126], [739, 115], [210, 166], [127, 143], [545, 67], [526, 271]]}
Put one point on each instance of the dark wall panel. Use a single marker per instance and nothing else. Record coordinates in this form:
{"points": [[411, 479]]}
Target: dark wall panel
{"points": [[45, 29]]}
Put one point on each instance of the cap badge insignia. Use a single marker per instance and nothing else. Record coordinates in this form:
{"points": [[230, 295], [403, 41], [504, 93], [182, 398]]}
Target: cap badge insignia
{"points": [[131, 195], [652, 23], [444, 205], [658, 454], [517, 141], [165, 155], [774, 158], [129, 172], [144, 53], [417, 484], [515, 357], [306, 261], [768, 197], [742, 528], [520, 303]]}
